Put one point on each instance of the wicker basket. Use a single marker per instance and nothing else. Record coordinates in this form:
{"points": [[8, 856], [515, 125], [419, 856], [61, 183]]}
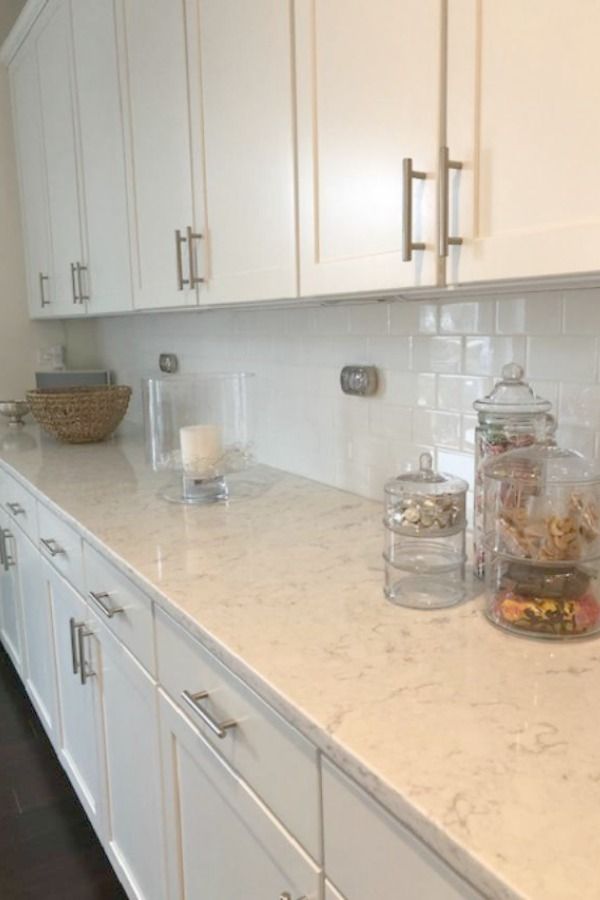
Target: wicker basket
{"points": [[80, 415]]}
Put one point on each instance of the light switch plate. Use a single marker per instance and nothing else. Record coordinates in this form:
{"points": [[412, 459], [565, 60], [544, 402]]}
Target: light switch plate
{"points": [[359, 381]]}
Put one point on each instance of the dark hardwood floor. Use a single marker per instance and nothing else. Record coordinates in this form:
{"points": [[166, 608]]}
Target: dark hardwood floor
{"points": [[48, 849]]}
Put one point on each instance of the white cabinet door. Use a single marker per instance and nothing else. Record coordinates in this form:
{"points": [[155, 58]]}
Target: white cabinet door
{"points": [[222, 842], [27, 117], [368, 76], [131, 750], [78, 744], [248, 110], [40, 670], [165, 166], [10, 619], [101, 127], [523, 79], [54, 53]]}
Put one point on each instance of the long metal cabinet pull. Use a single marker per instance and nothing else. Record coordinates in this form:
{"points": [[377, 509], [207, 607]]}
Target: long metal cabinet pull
{"points": [[408, 245], [52, 546], [82, 633], [444, 240], [73, 282], [220, 729], [82, 297], [100, 599], [43, 300], [16, 509], [179, 240], [74, 660], [7, 559], [191, 237], [3, 551]]}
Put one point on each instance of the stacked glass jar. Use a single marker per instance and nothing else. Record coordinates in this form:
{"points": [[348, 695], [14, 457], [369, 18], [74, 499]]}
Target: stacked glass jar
{"points": [[425, 538], [542, 543], [511, 416]]}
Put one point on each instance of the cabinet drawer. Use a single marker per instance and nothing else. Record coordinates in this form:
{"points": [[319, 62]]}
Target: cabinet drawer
{"points": [[123, 607], [275, 760], [20, 506], [368, 853], [61, 545]]}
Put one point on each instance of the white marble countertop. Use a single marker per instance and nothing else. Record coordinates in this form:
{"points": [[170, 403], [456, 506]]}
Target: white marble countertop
{"points": [[485, 745]]}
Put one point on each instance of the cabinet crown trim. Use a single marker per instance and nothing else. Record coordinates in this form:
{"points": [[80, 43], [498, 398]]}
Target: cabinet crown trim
{"points": [[20, 30]]}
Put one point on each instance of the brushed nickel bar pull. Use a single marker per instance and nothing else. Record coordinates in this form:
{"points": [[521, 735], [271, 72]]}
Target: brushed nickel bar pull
{"points": [[100, 599], [73, 282], [52, 546], [220, 729], [74, 661], [179, 240], [191, 237], [3, 551], [7, 559], [408, 245], [82, 297], [84, 671], [43, 300], [444, 240], [16, 509]]}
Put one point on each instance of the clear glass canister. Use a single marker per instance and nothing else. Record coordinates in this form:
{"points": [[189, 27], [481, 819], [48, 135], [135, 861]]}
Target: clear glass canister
{"points": [[510, 417], [542, 542], [424, 549]]}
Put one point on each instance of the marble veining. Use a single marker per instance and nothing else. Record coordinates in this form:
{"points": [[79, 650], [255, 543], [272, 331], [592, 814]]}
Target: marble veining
{"points": [[483, 744]]}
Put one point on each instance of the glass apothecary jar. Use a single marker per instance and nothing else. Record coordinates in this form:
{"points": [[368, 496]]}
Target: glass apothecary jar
{"points": [[510, 417], [542, 542], [199, 427], [424, 549]]}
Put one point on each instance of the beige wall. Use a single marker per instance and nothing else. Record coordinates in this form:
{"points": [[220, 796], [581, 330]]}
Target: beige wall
{"points": [[20, 339]]}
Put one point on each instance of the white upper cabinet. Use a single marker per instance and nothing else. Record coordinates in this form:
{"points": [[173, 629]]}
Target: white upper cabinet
{"points": [[523, 85], [246, 52], [103, 169], [53, 45], [165, 165], [27, 116], [369, 89]]}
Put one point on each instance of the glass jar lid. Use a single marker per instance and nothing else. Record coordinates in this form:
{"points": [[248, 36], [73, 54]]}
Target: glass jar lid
{"points": [[512, 395], [543, 465], [425, 480]]}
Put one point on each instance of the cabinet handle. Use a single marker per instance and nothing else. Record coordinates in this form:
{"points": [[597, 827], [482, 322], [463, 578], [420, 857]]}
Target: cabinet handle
{"points": [[408, 245], [287, 896], [73, 284], [3, 551], [179, 240], [100, 601], [444, 240], [16, 509], [74, 660], [43, 300], [52, 546], [7, 559], [82, 297], [84, 671], [220, 729], [191, 237]]}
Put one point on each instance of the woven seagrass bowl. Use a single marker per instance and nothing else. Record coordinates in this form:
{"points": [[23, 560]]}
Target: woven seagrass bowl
{"points": [[81, 415]]}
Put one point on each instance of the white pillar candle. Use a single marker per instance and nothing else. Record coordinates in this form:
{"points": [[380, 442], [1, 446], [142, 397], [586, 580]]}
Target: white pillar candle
{"points": [[201, 448]]}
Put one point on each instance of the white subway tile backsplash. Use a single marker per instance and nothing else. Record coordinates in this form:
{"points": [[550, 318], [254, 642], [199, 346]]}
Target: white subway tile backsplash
{"points": [[561, 358], [437, 354], [434, 359]]}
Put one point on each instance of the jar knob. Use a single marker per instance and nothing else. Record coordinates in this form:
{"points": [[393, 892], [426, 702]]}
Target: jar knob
{"points": [[426, 462], [512, 372]]}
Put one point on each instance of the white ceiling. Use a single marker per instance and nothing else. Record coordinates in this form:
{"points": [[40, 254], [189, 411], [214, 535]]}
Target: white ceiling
{"points": [[9, 10]]}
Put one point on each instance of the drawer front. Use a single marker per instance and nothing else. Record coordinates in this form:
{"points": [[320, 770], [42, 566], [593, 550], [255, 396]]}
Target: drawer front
{"points": [[61, 544], [278, 763], [20, 505], [368, 853], [122, 607]]}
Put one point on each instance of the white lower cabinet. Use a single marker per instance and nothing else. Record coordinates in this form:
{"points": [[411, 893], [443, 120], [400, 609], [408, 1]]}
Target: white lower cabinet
{"points": [[223, 843], [40, 671], [10, 614], [130, 750], [78, 690]]}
